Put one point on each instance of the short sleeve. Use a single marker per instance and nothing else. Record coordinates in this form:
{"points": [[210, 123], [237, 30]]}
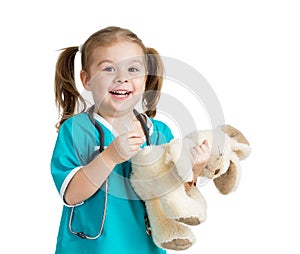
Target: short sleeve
{"points": [[161, 133], [72, 150]]}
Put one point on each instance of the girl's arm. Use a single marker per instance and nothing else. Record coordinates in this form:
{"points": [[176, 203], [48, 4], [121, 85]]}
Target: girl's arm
{"points": [[91, 177], [81, 186], [200, 155]]}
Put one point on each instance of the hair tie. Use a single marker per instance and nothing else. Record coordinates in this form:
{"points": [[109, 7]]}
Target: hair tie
{"points": [[80, 48]]}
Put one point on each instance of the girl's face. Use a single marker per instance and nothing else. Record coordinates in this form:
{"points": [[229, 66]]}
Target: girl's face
{"points": [[116, 77]]}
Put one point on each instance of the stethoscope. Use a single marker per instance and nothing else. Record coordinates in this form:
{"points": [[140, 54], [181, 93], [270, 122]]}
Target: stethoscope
{"points": [[145, 128]]}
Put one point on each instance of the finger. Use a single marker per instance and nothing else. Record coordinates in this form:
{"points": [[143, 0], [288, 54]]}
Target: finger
{"points": [[204, 147], [194, 152], [133, 134], [136, 141], [136, 148], [133, 150], [205, 142]]}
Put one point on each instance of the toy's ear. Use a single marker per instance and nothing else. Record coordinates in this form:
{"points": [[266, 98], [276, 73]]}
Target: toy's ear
{"points": [[239, 144], [240, 149], [228, 181], [178, 155]]}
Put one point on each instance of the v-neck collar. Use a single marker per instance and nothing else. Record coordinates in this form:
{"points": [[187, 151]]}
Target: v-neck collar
{"points": [[102, 120]]}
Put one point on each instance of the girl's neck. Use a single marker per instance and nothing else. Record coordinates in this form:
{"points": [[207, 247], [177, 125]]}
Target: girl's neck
{"points": [[120, 122]]}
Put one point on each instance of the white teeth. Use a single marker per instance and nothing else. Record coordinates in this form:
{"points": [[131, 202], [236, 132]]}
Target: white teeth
{"points": [[118, 92]]}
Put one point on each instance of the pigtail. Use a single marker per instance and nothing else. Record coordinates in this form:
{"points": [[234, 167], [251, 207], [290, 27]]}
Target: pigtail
{"points": [[67, 96], [154, 82]]}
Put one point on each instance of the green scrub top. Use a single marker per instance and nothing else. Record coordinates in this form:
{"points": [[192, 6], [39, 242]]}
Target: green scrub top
{"points": [[124, 229]]}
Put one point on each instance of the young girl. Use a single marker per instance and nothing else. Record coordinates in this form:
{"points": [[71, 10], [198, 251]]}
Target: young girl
{"points": [[91, 159]]}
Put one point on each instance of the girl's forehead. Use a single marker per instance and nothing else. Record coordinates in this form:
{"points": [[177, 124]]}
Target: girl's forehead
{"points": [[119, 51]]}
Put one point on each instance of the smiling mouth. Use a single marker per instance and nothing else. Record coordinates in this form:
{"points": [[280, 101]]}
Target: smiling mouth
{"points": [[120, 93]]}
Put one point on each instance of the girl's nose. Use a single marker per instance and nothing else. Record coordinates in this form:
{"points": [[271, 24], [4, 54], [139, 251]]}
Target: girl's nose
{"points": [[121, 77], [121, 81]]}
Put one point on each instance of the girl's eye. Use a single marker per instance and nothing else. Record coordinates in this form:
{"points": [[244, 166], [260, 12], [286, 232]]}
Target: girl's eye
{"points": [[133, 69], [109, 69]]}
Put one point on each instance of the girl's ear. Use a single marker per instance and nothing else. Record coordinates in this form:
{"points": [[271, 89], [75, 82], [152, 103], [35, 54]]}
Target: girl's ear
{"points": [[84, 79]]}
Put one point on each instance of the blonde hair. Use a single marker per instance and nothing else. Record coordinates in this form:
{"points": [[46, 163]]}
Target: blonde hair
{"points": [[68, 98]]}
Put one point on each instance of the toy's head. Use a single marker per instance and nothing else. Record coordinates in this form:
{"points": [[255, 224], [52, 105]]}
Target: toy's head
{"points": [[228, 146]]}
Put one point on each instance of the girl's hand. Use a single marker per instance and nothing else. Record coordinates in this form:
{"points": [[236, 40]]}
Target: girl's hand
{"points": [[125, 146], [200, 155]]}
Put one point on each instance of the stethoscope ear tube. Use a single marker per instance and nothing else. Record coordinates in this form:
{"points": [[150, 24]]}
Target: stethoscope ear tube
{"points": [[144, 126], [98, 127]]}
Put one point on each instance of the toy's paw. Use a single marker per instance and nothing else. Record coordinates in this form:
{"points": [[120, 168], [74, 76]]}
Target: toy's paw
{"points": [[192, 221], [177, 244]]}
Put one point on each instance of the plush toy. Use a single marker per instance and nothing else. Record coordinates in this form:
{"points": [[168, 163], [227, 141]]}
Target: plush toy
{"points": [[159, 177]]}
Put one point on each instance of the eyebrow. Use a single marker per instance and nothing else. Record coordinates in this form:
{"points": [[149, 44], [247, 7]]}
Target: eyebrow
{"points": [[105, 61], [112, 62], [137, 61]]}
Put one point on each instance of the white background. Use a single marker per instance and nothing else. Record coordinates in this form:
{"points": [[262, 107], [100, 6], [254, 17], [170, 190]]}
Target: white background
{"points": [[247, 50]]}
